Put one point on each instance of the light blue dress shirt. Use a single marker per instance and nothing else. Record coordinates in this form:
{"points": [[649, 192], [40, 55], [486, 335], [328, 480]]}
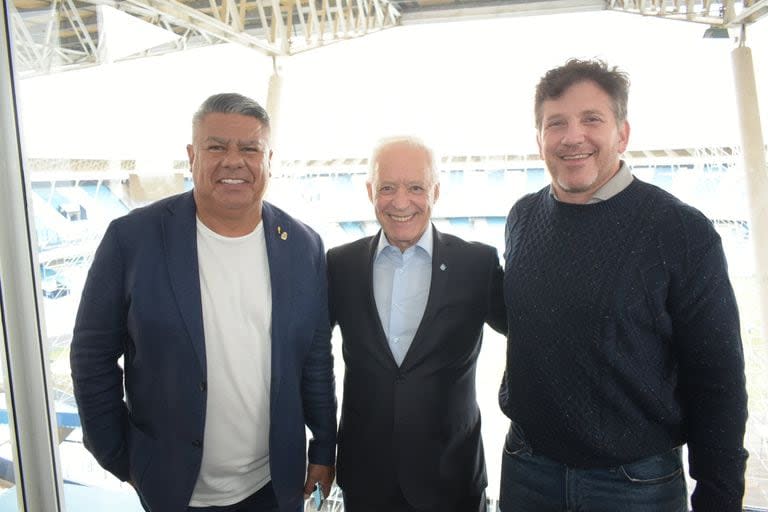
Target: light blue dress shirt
{"points": [[401, 282]]}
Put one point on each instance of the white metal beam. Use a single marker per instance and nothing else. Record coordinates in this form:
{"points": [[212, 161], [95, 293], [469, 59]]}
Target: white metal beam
{"points": [[288, 27], [32, 417], [182, 15], [751, 13], [469, 12], [723, 13]]}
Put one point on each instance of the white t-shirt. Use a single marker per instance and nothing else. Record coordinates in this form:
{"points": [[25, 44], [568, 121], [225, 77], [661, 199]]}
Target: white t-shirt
{"points": [[237, 319]]}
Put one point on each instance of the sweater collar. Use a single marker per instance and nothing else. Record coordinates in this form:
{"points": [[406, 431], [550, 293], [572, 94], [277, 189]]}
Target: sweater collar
{"points": [[610, 188]]}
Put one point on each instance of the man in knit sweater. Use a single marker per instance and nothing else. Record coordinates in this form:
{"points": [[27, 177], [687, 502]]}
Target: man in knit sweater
{"points": [[624, 336]]}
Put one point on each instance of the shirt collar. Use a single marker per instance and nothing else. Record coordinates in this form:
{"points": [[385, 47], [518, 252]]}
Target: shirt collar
{"points": [[425, 242], [610, 188]]}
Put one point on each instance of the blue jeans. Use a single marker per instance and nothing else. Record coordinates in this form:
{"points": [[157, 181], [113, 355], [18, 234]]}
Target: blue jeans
{"points": [[534, 483]]}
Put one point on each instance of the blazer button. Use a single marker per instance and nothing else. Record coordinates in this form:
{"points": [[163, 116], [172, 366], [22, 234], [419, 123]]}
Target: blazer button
{"points": [[203, 386], [197, 443]]}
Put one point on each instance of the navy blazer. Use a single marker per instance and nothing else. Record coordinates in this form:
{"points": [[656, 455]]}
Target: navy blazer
{"points": [[141, 300], [416, 426]]}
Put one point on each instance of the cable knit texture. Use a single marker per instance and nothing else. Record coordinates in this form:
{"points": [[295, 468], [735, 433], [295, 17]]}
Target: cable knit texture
{"points": [[624, 337]]}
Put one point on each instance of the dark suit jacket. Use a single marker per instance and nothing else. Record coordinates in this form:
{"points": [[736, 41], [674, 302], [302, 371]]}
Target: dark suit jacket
{"points": [[141, 300], [417, 425]]}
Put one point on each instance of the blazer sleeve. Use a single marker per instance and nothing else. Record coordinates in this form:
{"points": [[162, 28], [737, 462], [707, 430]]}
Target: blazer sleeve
{"points": [[497, 312], [98, 341], [318, 385], [332, 259]]}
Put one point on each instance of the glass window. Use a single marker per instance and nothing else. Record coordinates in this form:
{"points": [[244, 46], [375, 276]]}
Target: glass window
{"points": [[8, 499], [105, 113]]}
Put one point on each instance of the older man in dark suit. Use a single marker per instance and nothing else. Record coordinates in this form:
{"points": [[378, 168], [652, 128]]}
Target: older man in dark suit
{"points": [[411, 303], [217, 301]]}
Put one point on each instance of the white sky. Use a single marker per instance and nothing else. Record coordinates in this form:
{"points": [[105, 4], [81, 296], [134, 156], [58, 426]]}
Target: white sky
{"points": [[467, 87]]}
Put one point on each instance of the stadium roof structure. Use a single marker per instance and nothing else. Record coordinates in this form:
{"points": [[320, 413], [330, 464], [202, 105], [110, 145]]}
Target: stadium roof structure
{"points": [[54, 35]]}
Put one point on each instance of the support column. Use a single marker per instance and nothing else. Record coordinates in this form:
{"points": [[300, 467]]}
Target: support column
{"points": [[273, 109], [30, 405], [753, 149]]}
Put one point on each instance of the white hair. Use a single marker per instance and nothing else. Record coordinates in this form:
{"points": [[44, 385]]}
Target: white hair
{"points": [[408, 140]]}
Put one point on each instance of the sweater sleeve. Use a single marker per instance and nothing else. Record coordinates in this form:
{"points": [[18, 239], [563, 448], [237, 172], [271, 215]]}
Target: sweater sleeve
{"points": [[713, 391]]}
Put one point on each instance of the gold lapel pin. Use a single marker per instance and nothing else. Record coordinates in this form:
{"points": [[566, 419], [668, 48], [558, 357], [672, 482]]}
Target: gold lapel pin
{"points": [[283, 234]]}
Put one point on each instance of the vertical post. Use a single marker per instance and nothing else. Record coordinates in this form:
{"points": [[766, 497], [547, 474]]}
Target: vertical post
{"points": [[753, 149], [31, 414], [273, 109]]}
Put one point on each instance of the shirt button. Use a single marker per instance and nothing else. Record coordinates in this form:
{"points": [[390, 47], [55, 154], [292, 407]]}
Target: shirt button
{"points": [[396, 340]]}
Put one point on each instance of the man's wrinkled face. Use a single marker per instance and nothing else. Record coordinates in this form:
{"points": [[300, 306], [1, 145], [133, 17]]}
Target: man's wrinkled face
{"points": [[402, 193]]}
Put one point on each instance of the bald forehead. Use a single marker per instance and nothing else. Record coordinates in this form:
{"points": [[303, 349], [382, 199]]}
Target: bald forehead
{"points": [[402, 155]]}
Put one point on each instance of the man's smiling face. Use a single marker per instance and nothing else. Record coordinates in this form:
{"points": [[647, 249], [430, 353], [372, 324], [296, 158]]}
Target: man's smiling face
{"points": [[230, 161], [581, 141], [402, 192]]}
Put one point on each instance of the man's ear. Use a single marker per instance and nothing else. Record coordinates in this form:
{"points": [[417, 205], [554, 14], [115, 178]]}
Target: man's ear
{"points": [[623, 136], [538, 143]]}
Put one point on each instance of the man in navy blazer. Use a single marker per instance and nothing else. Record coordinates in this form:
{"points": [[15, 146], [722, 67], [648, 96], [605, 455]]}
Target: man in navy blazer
{"points": [[217, 303], [411, 303]]}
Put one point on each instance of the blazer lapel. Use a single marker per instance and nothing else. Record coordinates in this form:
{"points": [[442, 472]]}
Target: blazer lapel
{"points": [[437, 290], [280, 258], [179, 229], [381, 344]]}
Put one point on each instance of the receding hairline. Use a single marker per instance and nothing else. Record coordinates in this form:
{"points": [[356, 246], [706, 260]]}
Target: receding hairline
{"points": [[408, 141], [231, 103], [197, 121]]}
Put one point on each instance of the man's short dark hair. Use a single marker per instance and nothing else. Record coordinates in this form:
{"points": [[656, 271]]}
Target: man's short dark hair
{"points": [[231, 103], [556, 81]]}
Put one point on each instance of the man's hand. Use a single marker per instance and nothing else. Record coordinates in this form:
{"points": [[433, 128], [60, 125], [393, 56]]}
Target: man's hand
{"points": [[317, 473]]}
